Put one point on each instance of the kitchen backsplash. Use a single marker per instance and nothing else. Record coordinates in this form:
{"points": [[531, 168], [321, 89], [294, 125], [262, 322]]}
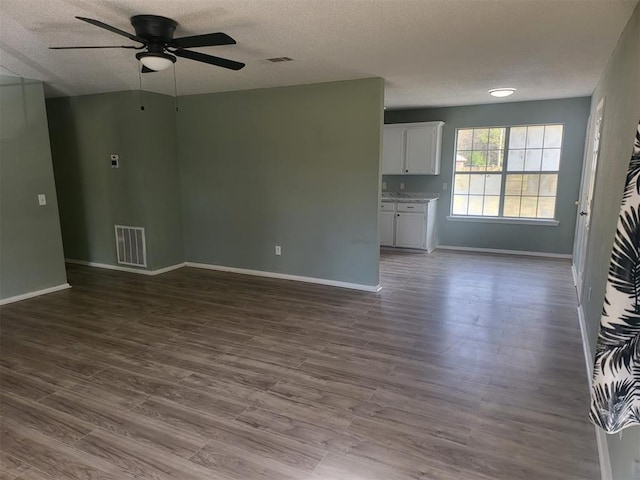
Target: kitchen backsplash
{"points": [[415, 183]]}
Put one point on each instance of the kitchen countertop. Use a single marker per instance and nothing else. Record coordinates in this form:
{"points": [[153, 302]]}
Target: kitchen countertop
{"points": [[409, 197]]}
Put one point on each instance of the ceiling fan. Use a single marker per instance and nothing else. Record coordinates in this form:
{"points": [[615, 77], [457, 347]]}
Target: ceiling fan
{"points": [[155, 34]]}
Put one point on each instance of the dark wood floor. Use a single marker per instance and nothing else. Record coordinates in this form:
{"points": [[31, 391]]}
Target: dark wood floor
{"points": [[464, 367]]}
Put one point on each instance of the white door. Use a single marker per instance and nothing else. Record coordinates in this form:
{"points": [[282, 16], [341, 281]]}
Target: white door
{"points": [[421, 150], [410, 230], [392, 150], [592, 149]]}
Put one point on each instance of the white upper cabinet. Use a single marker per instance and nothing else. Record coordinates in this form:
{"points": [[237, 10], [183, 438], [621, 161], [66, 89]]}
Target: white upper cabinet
{"points": [[412, 148], [392, 150]]}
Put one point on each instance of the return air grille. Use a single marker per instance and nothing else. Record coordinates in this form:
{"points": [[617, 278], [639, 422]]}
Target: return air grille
{"points": [[130, 244]]}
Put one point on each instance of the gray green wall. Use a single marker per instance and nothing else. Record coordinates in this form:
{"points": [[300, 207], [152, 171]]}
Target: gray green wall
{"points": [[573, 113], [143, 192], [31, 255], [619, 85], [294, 166]]}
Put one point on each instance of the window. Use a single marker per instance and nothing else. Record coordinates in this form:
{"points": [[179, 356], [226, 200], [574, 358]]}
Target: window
{"points": [[507, 171]]}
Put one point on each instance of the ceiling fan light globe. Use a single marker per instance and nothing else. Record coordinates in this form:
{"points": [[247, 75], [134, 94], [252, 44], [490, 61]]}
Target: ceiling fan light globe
{"points": [[156, 61]]}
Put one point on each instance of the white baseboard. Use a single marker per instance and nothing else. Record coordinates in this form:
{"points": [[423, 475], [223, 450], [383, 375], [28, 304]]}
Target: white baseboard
{"points": [[37, 293], [601, 436], [285, 276], [126, 269], [507, 252], [244, 271]]}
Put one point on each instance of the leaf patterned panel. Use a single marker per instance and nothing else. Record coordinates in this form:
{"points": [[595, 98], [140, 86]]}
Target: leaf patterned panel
{"points": [[615, 396]]}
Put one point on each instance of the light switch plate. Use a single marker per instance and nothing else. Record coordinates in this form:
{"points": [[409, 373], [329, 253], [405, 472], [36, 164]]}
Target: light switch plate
{"points": [[278, 250], [42, 199]]}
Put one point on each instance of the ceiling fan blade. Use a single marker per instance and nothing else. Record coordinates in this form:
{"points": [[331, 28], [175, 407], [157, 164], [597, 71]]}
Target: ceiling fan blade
{"points": [[207, 40], [114, 46], [100, 24], [210, 59], [146, 69]]}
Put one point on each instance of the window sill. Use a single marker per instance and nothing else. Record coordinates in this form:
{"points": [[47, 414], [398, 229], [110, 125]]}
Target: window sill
{"points": [[512, 221]]}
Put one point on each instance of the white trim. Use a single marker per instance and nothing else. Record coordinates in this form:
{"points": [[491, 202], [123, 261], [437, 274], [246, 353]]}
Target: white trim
{"points": [[574, 274], [507, 220], [244, 271], [586, 349], [286, 276], [126, 269], [36, 293], [603, 454], [507, 252], [170, 268], [601, 436]]}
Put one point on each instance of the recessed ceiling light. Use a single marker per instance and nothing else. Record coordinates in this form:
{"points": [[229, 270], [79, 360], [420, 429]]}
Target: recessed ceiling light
{"points": [[502, 92]]}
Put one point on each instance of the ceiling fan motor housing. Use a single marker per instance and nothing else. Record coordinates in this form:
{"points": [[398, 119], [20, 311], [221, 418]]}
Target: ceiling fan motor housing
{"points": [[154, 27]]}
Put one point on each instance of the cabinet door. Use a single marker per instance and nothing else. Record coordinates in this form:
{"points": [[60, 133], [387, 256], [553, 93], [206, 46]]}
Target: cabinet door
{"points": [[386, 227], [392, 150], [421, 150], [410, 230], [430, 243]]}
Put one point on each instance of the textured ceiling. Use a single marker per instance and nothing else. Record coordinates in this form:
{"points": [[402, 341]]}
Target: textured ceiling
{"points": [[430, 52]]}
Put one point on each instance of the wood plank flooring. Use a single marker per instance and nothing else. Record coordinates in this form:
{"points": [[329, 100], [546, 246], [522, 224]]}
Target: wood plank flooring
{"points": [[464, 367]]}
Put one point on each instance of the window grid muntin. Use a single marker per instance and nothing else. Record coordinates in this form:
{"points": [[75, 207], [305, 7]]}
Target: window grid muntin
{"points": [[485, 151], [506, 173]]}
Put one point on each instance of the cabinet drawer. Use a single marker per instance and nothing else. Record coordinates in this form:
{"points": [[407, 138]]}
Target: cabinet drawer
{"points": [[412, 207], [387, 206]]}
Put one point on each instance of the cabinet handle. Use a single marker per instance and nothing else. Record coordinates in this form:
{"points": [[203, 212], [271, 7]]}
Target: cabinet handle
{"points": [[406, 171], [397, 214], [409, 207]]}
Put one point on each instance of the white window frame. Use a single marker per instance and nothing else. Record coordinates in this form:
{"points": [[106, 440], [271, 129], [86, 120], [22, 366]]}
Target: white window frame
{"points": [[504, 172]]}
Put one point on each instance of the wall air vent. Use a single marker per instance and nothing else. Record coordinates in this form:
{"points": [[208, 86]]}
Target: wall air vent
{"points": [[280, 59], [131, 246]]}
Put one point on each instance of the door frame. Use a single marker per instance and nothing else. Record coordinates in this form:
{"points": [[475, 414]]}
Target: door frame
{"points": [[585, 202]]}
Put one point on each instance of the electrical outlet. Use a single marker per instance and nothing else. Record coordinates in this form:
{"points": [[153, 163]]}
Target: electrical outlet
{"points": [[384, 185], [278, 250], [42, 200], [115, 160], [444, 186], [402, 186]]}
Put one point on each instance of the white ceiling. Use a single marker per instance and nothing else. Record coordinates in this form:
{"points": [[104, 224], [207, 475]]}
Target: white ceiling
{"points": [[430, 52]]}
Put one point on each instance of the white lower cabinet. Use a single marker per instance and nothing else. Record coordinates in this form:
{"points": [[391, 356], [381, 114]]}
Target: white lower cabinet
{"points": [[408, 225], [387, 228], [410, 230]]}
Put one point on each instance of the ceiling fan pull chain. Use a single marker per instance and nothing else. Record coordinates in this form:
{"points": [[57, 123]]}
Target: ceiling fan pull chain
{"points": [[175, 88], [140, 83]]}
